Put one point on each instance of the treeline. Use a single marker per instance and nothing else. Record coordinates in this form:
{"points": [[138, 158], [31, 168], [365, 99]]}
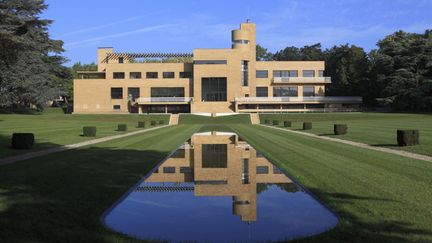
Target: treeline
{"points": [[398, 74]]}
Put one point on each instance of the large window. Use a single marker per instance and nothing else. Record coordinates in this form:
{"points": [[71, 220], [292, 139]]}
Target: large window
{"points": [[309, 73], [214, 156], [262, 74], [185, 74], [261, 92], [168, 74], [210, 62], [308, 91], [245, 73], [151, 75], [320, 73], [118, 75], [214, 89], [285, 73], [135, 75], [133, 92], [285, 91], [167, 92], [116, 93]]}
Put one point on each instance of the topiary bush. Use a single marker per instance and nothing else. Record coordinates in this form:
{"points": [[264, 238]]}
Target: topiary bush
{"points": [[307, 125], [161, 122], [89, 131], [287, 124], [122, 127], [266, 121], [153, 123], [340, 129], [141, 124], [22, 140], [407, 137], [275, 123]]}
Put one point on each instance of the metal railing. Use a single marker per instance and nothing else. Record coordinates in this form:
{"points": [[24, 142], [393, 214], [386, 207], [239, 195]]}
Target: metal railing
{"points": [[339, 99], [301, 79], [162, 99]]}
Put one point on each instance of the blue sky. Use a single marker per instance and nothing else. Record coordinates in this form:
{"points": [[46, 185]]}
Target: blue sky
{"points": [[181, 26]]}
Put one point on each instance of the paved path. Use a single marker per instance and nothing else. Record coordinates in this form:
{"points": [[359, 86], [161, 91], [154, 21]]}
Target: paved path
{"points": [[16, 158], [361, 145]]}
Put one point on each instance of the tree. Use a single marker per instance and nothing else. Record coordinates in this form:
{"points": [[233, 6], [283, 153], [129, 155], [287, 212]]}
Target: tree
{"points": [[31, 71], [402, 68], [262, 54], [306, 53], [348, 66]]}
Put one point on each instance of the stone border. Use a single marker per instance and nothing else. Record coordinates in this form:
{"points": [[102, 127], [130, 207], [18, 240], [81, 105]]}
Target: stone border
{"points": [[360, 145], [16, 158]]}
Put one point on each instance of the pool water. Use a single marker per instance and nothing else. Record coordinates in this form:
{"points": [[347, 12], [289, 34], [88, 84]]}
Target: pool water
{"points": [[217, 188]]}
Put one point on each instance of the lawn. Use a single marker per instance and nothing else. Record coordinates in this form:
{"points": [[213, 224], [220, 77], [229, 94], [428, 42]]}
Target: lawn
{"points": [[205, 120], [380, 197], [53, 128], [378, 129]]}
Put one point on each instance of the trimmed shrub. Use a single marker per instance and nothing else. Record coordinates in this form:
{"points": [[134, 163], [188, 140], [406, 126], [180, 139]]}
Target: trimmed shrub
{"points": [[89, 131], [161, 122], [407, 137], [266, 121], [141, 124], [307, 125], [122, 127], [22, 140], [287, 124], [340, 129], [153, 123], [275, 123]]}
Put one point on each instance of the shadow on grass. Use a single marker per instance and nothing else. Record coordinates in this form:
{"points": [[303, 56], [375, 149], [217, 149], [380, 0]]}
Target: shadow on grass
{"points": [[61, 197], [385, 145]]}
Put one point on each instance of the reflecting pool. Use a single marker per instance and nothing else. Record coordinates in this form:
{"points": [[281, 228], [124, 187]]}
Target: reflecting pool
{"points": [[217, 188]]}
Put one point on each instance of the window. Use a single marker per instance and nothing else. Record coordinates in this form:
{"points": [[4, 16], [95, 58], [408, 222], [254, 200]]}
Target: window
{"points": [[285, 73], [308, 91], [116, 107], [262, 169], [185, 75], [185, 170], [151, 75], [261, 91], [308, 73], [288, 91], [214, 156], [135, 75], [245, 74], [320, 73], [245, 171], [133, 93], [168, 170], [120, 60], [214, 89], [116, 93], [262, 74], [118, 75], [210, 62], [168, 74], [179, 154], [167, 92], [240, 42]]}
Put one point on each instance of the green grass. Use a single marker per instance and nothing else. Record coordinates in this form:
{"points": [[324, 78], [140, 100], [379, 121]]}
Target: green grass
{"points": [[378, 129], [61, 197], [205, 120], [53, 128], [379, 197]]}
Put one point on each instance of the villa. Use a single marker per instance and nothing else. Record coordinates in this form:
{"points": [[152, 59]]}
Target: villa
{"points": [[205, 81]]}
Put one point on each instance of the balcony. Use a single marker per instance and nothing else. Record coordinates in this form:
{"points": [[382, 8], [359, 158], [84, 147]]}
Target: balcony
{"points": [[301, 80], [163, 100], [294, 100], [90, 75]]}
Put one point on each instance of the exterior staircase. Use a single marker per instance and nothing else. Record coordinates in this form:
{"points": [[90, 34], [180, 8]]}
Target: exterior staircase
{"points": [[254, 118], [174, 119]]}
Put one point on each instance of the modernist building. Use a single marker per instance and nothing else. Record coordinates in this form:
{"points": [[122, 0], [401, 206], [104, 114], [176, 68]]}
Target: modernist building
{"points": [[205, 81]]}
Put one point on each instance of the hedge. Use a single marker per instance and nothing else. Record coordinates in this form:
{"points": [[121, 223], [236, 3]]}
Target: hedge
{"points": [[122, 127], [340, 129], [89, 131], [22, 140], [407, 137], [275, 123], [307, 125], [287, 124], [141, 124]]}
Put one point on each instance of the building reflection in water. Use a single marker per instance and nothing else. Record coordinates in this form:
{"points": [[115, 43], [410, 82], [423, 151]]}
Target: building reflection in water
{"points": [[219, 164]]}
